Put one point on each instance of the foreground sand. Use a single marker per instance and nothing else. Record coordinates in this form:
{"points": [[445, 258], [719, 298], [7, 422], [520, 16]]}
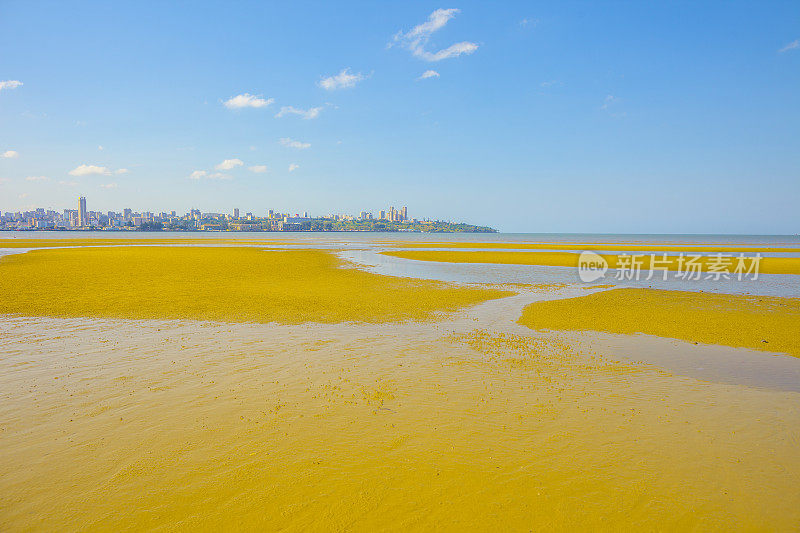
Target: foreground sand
{"points": [[225, 283], [131, 425], [377, 417]]}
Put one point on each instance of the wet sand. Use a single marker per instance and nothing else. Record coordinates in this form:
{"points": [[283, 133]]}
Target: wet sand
{"points": [[471, 421], [762, 323], [766, 265]]}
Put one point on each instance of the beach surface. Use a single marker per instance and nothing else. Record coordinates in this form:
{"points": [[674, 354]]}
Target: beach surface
{"points": [[247, 386]]}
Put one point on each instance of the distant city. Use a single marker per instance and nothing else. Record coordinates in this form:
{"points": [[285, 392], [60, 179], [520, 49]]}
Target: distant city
{"points": [[82, 219]]}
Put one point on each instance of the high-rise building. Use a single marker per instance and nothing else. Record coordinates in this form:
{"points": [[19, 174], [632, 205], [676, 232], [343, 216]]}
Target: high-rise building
{"points": [[236, 213], [392, 214], [382, 215], [83, 217], [404, 214]]}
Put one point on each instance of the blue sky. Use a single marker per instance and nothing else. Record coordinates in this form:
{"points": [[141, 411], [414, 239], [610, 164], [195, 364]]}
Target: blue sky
{"points": [[636, 117]]}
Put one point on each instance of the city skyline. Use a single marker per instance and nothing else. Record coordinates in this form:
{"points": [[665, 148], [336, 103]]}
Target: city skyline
{"points": [[195, 219], [569, 117]]}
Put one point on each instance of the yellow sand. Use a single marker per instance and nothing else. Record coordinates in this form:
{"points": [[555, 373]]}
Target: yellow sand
{"points": [[226, 284], [757, 322], [768, 265], [644, 246], [139, 426]]}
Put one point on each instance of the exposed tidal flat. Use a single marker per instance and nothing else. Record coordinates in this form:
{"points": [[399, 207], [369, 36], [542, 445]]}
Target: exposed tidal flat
{"points": [[238, 387], [767, 265]]}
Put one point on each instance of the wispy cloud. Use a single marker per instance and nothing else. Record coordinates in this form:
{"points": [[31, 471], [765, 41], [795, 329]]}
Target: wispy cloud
{"points": [[343, 80], [416, 39], [70, 183], [293, 167], [286, 141], [10, 154], [229, 164], [791, 46], [10, 84], [89, 170], [610, 104], [549, 83], [202, 174], [247, 100], [109, 185], [37, 178], [306, 114], [609, 101], [428, 74], [258, 169], [528, 22], [121, 171]]}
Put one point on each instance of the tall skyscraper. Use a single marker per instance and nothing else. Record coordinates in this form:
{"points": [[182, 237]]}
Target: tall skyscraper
{"points": [[392, 215], [236, 212], [404, 213], [83, 217]]}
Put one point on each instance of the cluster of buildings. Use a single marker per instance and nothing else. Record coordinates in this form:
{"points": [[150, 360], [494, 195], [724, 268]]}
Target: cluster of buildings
{"points": [[83, 219]]}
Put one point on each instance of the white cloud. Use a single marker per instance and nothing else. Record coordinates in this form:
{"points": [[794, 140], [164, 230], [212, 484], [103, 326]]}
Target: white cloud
{"points": [[286, 141], [247, 100], [88, 170], [70, 183], [202, 174], [293, 167], [10, 84], [109, 185], [229, 164], [791, 46], [9, 154], [428, 74], [528, 22], [23, 196], [258, 169], [121, 171], [307, 114], [37, 178], [343, 80], [417, 38], [100, 148], [5, 180]]}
